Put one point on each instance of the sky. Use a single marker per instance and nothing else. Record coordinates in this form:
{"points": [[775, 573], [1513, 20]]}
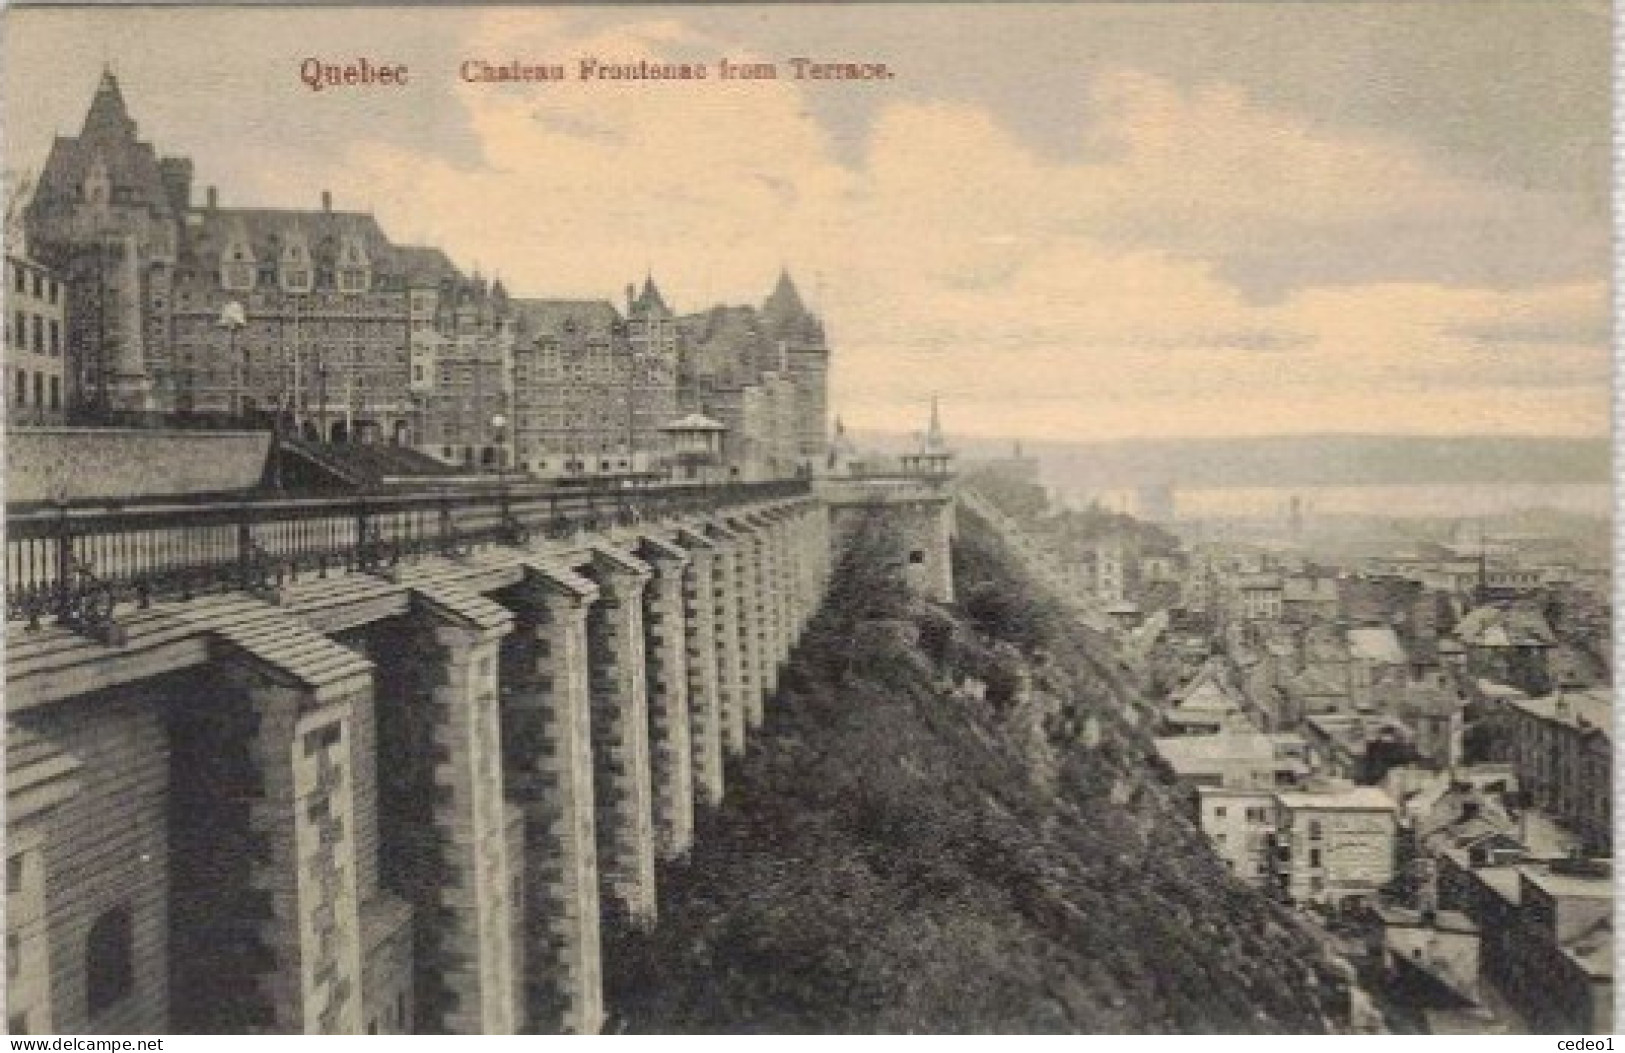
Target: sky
{"points": [[1069, 222]]}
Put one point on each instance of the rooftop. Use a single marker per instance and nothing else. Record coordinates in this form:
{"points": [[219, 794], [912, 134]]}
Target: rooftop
{"points": [[1556, 882], [694, 422], [1237, 792], [1342, 799], [1505, 627], [1196, 752], [1443, 920], [1501, 880], [1374, 644], [1587, 710], [1593, 949], [553, 318]]}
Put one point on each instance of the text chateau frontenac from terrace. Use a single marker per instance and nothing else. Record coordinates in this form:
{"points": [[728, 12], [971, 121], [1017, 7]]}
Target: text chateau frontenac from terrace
{"points": [[322, 75]]}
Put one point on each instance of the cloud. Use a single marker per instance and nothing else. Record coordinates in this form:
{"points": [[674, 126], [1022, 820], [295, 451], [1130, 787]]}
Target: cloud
{"points": [[1278, 202], [1039, 297], [1209, 265]]}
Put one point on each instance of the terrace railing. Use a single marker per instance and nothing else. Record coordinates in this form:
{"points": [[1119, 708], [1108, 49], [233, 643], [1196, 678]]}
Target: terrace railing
{"points": [[76, 564]]}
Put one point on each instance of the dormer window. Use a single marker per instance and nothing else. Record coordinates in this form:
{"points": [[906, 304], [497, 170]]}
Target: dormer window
{"points": [[237, 275], [354, 274], [238, 266], [294, 269]]}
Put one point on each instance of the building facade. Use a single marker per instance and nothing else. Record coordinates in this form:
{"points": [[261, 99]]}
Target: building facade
{"points": [[315, 321], [106, 215], [763, 374], [36, 347], [1239, 824], [1335, 846], [1561, 747]]}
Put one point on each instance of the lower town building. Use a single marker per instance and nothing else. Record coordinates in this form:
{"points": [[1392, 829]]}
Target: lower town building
{"points": [[1236, 759], [1562, 748], [1334, 846], [1240, 823], [1548, 936]]}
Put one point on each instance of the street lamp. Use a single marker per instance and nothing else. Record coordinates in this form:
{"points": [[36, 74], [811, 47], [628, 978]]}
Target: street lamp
{"points": [[498, 423], [321, 397], [233, 319]]}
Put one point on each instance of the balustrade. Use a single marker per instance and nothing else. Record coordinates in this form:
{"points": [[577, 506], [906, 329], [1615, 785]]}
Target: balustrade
{"points": [[75, 564]]}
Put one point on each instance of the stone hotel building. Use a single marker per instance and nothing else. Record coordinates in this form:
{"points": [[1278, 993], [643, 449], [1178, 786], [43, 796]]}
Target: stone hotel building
{"points": [[183, 313]]}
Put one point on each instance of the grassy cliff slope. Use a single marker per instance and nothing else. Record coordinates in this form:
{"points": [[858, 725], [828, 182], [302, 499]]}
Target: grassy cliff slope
{"points": [[951, 822]]}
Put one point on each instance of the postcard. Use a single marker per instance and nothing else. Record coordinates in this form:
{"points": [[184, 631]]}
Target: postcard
{"points": [[808, 519]]}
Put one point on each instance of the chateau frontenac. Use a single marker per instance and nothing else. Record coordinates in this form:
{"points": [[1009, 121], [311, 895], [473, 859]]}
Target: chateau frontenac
{"points": [[188, 313]]}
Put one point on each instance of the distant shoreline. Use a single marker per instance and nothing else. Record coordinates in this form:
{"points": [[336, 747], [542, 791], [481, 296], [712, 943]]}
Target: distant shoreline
{"points": [[1298, 460]]}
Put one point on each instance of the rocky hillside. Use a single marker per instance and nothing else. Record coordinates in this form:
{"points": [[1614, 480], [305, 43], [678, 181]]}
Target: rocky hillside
{"points": [[952, 823]]}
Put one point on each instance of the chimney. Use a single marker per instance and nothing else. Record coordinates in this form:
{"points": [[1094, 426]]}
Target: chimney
{"points": [[214, 198], [327, 201], [631, 295]]}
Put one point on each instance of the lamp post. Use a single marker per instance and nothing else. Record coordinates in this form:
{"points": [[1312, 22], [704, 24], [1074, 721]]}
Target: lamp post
{"points": [[232, 320], [635, 359], [631, 404], [498, 424], [321, 396]]}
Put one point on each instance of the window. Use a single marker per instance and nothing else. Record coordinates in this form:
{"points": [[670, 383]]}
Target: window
{"points": [[56, 393], [56, 337], [39, 287], [238, 276], [22, 387], [321, 738], [1220, 812], [1314, 857], [19, 329], [14, 955], [17, 1024], [14, 873], [39, 389], [19, 279], [109, 960], [39, 335], [1315, 830]]}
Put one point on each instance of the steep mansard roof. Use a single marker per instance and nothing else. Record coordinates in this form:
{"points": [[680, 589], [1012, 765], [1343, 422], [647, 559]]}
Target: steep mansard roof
{"points": [[650, 301], [786, 317], [108, 136], [319, 234], [728, 346]]}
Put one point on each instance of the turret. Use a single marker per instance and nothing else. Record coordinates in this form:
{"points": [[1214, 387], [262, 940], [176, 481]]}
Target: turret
{"points": [[177, 177]]}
